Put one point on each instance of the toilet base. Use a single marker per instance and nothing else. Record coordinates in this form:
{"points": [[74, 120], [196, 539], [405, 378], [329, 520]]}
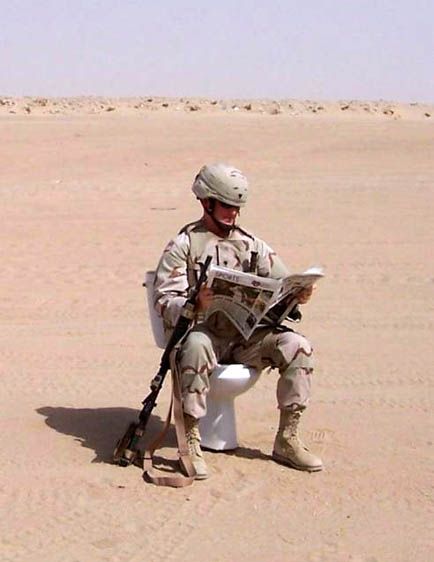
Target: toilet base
{"points": [[218, 429]]}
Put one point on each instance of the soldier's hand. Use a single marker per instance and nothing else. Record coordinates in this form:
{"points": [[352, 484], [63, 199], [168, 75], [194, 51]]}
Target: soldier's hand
{"points": [[304, 295], [204, 298]]}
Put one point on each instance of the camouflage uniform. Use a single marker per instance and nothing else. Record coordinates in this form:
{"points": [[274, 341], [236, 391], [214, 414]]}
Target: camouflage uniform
{"points": [[217, 340]]}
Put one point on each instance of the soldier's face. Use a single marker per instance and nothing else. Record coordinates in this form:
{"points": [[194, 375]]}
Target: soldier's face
{"points": [[227, 214]]}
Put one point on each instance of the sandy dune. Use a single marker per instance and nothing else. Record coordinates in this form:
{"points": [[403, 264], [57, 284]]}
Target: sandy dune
{"points": [[89, 197]]}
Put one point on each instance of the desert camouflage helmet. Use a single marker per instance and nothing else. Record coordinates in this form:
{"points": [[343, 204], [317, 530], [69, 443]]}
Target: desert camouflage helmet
{"points": [[222, 182]]}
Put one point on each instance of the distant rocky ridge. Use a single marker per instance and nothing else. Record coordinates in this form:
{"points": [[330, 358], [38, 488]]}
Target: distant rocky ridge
{"points": [[97, 105]]}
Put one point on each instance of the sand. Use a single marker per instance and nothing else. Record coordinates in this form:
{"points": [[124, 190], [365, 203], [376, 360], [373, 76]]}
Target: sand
{"points": [[91, 190]]}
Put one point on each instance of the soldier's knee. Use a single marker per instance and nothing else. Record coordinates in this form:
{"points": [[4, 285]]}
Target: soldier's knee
{"points": [[196, 342], [294, 342], [196, 359], [298, 354], [284, 349]]}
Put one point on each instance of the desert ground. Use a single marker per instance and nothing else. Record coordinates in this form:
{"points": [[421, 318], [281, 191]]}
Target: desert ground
{"points": [[91, 191]]}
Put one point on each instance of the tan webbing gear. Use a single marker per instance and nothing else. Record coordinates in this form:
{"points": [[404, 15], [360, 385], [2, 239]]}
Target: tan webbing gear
{"points": [[176, 480], [197, 235]]}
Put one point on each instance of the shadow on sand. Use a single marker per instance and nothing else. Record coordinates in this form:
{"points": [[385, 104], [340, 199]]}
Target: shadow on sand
{"points": [[247, 453], [242, 453], [100, 429]]}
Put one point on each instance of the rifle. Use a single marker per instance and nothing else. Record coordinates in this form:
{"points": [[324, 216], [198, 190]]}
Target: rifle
{"points": [[126, 448]]}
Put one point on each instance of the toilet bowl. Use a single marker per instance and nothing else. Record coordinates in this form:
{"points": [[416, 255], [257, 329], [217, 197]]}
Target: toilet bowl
{"points": [[218, 429]]}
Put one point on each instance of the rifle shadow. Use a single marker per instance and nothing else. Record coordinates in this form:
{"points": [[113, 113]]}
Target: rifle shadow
{"points": [[99, 429]]}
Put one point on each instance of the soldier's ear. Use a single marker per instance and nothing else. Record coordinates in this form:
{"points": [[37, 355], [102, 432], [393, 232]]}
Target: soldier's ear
{"points": [[207, 204]]}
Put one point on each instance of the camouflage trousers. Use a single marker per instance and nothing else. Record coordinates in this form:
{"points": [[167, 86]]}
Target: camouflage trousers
{"points": [[287, 351]]}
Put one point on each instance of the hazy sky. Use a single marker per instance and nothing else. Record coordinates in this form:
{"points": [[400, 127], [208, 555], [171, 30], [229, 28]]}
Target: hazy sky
{"points": [[324, 49]]}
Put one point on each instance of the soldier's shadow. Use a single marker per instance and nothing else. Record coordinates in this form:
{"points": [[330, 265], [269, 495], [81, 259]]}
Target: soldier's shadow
{"points": [[100, 429]]}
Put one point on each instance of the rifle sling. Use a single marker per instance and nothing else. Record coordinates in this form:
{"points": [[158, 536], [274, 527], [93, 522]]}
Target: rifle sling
{"points": [[174, 481]]}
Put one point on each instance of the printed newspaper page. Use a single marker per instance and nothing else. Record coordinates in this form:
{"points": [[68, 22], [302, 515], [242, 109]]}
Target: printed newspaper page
{"points": [[290, 288], [246, 298], [243, 297]]}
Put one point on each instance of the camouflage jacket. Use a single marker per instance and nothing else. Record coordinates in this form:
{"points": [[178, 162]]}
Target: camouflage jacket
{"points": [[179, 266]]}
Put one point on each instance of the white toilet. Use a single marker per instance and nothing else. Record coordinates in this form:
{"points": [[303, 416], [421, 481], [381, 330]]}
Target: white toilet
{"points": [[218, 428]]}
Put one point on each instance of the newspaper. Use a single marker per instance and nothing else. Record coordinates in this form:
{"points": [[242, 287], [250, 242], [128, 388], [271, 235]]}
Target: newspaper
{"points": [[247, 299]]}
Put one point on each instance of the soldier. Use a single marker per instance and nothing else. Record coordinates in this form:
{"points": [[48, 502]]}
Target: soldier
{"points": [[222, 191]]}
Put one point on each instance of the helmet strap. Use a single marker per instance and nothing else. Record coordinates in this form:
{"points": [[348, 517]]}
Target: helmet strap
{"points": [[209, 209]]}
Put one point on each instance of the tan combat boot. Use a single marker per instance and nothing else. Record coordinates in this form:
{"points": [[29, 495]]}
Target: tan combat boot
{"points": [[288, 449], [193, 441]]}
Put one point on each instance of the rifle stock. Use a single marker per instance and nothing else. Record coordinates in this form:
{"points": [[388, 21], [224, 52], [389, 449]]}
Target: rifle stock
{"points": [[125, 452]]}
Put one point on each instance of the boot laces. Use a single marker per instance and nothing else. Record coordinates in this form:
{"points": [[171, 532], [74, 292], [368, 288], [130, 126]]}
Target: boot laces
{"points": [[193, 441]]}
